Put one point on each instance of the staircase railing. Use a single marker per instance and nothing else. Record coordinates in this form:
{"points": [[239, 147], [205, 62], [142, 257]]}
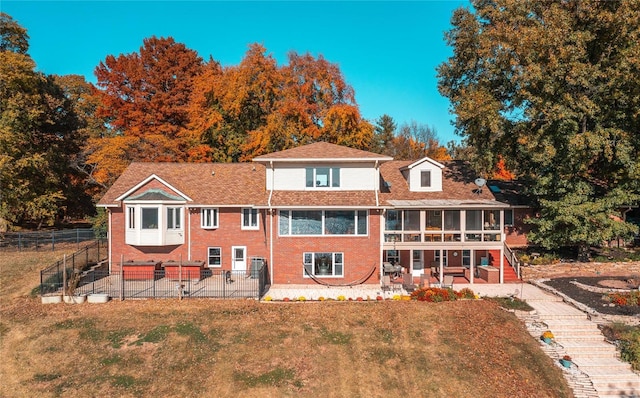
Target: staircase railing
{"points": [[512, 259]]}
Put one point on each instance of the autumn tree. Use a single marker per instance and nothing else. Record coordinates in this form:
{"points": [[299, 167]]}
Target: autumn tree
{"points": [[414, 141], [145, 97], [38, 134], [555, 88]]}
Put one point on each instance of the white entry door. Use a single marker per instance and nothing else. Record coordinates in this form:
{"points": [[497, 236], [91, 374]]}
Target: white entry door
{"points": [[239, 258], [417, 262]]}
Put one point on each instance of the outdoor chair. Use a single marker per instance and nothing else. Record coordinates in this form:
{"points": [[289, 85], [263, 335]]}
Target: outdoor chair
{"points": [[407, 283], [447, 281], [388, 285]]}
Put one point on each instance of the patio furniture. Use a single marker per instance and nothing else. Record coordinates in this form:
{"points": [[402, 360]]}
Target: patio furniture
{"points": [[389, 269], [387, 284], [407, 282], [447, 281]]}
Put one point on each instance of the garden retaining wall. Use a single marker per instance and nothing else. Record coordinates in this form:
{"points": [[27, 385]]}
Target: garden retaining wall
{"points": [[533, 272]]}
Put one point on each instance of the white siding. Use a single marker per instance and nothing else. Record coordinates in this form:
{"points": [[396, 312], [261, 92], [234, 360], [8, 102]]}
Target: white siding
{"points": [[292, 177], [436, 177]]}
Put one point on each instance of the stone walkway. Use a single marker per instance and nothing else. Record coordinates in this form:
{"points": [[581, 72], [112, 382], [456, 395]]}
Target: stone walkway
{"points": [[596, 371]]}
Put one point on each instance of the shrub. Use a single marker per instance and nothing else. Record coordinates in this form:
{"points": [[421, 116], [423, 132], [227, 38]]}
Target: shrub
{"points": [[434, 294], [624, 299]]}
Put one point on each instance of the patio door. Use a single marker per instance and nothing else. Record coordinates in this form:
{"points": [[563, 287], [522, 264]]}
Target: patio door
{"points": [[417, 262], [239, 258]]}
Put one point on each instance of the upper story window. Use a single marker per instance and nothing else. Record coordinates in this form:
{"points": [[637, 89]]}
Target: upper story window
{"points": [[209, 218], [250, 219], [174, 217], [323, 177], [149, 218], [425, 178]]}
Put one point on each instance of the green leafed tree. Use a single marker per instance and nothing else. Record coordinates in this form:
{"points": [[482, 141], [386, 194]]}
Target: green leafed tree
{"points": [[554, 88], [37, 137]]}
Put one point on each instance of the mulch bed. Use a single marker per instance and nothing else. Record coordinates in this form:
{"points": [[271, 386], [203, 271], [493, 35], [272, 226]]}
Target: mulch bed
{"points": [[596, 300]]}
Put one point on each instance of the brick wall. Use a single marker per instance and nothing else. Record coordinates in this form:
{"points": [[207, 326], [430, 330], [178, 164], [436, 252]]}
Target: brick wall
{"points": [[361, 253]]}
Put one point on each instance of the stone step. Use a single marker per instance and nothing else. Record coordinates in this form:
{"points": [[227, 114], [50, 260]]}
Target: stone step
{"points": [[577, 334], [587, 347], [573, 324], [618, 392], [616, 384]]}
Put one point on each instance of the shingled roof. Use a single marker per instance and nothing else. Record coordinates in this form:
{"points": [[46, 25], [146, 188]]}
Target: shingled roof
{"points": [[458, 187], [321, 151], [205, 183]]}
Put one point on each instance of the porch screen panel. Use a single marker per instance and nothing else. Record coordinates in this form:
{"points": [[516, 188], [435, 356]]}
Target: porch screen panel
{"points": [[411, 220], [492, 220], [452, 220], [392, 221], [473, 219], [434, 220], [306, 222], [339, 222]]}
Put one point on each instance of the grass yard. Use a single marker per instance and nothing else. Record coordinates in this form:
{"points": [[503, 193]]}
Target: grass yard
{"points": [[205, 347]]}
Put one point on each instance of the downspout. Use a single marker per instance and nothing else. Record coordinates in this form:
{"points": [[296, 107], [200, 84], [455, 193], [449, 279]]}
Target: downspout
{"points": [[109, 238], [375, 184], [271, 225], [189, 234]]}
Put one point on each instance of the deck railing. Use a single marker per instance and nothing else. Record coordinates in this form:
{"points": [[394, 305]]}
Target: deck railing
{"points": [[512, 259]]}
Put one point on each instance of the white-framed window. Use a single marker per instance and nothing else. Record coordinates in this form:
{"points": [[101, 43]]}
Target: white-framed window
{"points": [[425, 178], [149, 218], [250, 219], [508, 217], [174, 218], [323, 177], [131, 217], [436, 257], [323, 222], [209, 218], [323, 264], [466, 258], [214, 257]]}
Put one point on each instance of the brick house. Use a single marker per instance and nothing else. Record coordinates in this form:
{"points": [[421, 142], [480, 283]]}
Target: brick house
{"points": [[319, 213]]}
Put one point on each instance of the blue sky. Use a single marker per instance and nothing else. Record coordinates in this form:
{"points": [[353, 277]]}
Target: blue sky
{"points": [[387, 51]]}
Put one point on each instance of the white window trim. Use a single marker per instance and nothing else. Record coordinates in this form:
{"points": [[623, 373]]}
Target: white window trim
{"points": [[323, 212], [257, 219], [216, 216], [312, 267], [177, 218], [330, 181], [131, 217], [209, 256]]}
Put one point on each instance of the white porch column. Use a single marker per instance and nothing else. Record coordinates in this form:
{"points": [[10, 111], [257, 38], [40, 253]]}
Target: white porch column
{"points": [[502, 264], [472, 265], [441, 270]]}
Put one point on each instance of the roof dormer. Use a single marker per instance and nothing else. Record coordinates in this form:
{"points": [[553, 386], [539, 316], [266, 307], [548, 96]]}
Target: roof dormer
{"points": [[424, 175]]}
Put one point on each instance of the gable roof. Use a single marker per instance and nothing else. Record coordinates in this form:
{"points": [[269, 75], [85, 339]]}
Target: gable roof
{"points": [[322, 151], [220, 184], [423, 160], [458, 188]]}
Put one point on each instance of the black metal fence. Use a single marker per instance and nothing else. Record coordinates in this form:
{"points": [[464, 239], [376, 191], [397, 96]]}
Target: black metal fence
{"points": [[45, 240], [205, 283], [52, 277]]}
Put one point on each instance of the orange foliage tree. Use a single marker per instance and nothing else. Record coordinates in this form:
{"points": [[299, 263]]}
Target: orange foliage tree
{"points": [[144, 97]]}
